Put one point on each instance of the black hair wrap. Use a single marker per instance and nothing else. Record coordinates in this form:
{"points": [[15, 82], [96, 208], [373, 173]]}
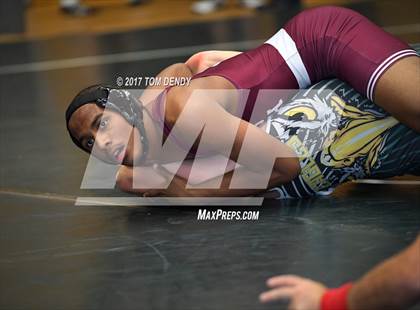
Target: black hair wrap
{"points": [[117, 100]]}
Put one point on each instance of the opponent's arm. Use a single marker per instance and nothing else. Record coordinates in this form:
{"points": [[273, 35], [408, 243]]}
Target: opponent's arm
{"points": [[393, 284]]}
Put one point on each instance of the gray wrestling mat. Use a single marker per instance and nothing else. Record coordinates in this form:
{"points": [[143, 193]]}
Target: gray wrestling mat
{"points": [[54, 255]]}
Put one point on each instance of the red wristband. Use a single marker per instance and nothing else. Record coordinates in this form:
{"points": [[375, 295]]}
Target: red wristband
{"points": [[336, 299]]}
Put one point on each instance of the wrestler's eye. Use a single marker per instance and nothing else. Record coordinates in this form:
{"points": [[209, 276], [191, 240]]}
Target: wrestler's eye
{"points": [[103, 123], [90, 143]]}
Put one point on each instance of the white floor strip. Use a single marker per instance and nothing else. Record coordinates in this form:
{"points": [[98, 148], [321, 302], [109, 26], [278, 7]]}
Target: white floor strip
{"points": [[48, 196], [139, 201], [390, 182], [124, 57], [169, 201]]}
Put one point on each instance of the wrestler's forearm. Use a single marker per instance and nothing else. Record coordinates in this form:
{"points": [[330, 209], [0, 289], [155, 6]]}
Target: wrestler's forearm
{"points": [[247, 183], [219, 192], [394, 284], [144, 178]]}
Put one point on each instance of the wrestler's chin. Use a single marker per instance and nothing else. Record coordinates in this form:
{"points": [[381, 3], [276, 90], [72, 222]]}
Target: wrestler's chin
{"points": [[128, 159], [133, 151], [132, 157]]}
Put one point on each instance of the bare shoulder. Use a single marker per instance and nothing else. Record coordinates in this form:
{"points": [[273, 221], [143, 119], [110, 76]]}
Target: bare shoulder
{"points": [[172, 71], [176, 99], [202, 91], [177, 69]]}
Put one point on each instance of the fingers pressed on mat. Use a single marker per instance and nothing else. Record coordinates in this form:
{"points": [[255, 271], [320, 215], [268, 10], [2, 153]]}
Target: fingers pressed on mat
{"points": [[276, 294], [285, 280]]}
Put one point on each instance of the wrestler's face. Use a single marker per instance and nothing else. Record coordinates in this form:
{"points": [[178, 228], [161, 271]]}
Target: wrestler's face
{"points": [[105, 134]]}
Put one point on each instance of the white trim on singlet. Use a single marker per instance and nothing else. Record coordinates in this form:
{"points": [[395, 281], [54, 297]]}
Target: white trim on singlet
{"points": [[382, 67], [286, 47]]}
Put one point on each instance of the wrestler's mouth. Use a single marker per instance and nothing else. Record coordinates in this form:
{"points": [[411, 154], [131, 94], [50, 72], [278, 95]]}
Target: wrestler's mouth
{"points": [[119, 154]]}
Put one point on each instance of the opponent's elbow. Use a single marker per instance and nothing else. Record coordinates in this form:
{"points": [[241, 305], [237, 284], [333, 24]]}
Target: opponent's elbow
{"points": [[416, 266], [412, 282], [414, 115], [417, 121]]}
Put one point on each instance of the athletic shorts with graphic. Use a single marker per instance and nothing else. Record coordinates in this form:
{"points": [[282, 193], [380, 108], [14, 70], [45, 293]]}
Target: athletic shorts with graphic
{"points": [[339, 136]]}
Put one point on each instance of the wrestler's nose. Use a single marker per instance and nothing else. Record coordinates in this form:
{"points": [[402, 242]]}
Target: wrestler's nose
{"points": [[103, 140]]}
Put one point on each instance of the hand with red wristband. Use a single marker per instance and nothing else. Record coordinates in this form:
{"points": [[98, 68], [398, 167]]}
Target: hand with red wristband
{"points": [[305, 294], [393, 284], [302, 293], [336, 299]]}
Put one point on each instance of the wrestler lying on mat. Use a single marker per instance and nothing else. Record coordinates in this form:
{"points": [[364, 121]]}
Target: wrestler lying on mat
{"points": [[310, 143]]}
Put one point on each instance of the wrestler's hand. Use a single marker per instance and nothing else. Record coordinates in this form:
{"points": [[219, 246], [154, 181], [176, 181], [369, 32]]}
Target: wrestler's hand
{"points": [[151, 181], [303, 294], [147, 180], [176, 187]]}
